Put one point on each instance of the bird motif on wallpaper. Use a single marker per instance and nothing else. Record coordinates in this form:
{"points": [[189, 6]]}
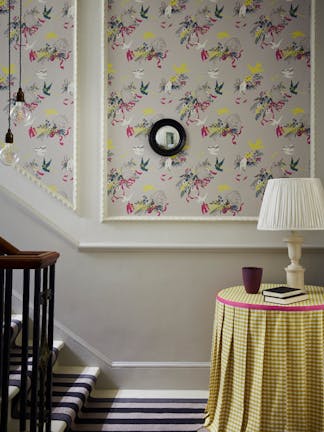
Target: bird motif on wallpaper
{"points": [[168, 11], [213, 149], [293, 11], [138, 73], [219, 164], [47, 12], [219, 88], [288, 149], [144, 12], [46, 89], [213, 73], [40, 151], [138, 149], [144, 88], [218, 12], [42, 74], [144, 164], [288, 72], [293, 87], [242, 11], [46, 165]]}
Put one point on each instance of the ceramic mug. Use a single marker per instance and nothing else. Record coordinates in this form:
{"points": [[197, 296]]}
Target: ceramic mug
{"points": [[252, 277]]}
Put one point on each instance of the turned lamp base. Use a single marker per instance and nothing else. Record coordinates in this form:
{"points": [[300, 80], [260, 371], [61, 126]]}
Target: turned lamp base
{"points": [[294, 271]]}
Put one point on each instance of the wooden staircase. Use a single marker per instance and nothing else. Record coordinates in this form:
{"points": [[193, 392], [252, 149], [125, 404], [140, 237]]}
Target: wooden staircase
{"points": [[71, 386], [36, 394]]}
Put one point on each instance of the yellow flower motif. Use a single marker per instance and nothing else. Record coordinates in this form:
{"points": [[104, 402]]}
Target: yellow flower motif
{"points": [[51, 35], [148, 35], [183, 68], [223, 111], [148, 187], [297, 34], [223, 35], [297, 111], [257, 145], [258, 66], [223, 187]]}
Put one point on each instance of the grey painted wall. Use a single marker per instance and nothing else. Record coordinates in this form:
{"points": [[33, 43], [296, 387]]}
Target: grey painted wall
{"points": [[144, 316]]}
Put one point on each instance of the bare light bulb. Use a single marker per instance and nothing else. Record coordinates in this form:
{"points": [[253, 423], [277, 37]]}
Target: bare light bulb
{"points": [[19, 112], [8, 156]]}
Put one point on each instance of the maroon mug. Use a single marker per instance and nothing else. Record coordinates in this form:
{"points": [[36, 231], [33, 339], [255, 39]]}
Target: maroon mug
{"points": [[252, 277]]}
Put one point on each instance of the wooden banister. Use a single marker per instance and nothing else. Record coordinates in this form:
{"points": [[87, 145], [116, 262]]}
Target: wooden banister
{"points": [[28, 260], [43, 265], [13, 258]]}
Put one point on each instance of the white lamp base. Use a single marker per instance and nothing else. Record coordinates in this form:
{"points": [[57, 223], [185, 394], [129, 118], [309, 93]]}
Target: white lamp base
{"points": [[295, 272]]}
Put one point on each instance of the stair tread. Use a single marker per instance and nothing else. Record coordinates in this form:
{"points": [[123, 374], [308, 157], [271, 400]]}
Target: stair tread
{"points": [[71, 387], [14, 376]]}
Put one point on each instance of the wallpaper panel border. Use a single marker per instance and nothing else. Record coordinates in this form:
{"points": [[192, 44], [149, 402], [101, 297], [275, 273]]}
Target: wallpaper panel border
{"points": [[72, 204], [105, 215]]}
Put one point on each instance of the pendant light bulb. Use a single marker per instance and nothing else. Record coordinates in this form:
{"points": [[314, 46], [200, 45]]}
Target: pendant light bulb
{"points": [[8, 156], [19, 112]]}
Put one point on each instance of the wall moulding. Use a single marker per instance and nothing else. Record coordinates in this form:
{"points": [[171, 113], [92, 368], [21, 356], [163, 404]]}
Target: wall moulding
{"points": [[244, 122], [46, 143]]}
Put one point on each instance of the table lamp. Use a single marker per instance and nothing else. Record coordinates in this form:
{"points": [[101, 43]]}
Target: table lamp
{"points": [[293, 204]]}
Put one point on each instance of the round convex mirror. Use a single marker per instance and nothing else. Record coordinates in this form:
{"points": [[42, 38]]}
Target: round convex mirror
{"points": [[167, 137]]}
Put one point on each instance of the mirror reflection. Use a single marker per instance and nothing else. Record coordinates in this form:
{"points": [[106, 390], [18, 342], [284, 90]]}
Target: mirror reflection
{"points": [[167, 137]]}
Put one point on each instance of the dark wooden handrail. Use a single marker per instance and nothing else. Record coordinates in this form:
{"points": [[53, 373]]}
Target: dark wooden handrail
{"points": [[13, 258], [42, 263]]}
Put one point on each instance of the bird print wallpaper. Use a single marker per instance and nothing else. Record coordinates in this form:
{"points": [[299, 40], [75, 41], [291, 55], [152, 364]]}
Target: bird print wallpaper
{"points": [[235, 74], [45, 139]]}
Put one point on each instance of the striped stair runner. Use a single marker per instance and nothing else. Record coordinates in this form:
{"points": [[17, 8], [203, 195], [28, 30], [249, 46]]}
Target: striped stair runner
{"points": [[74, 410], [140, 415]]}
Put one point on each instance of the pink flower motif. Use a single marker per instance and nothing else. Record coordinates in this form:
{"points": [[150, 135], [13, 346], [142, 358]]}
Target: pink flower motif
{"points": [[204, 131], [279, 54], [130, 131], [32, 55], [204, 208], [32, 132], [279, 131], [130, 55], [204, 55], [129, 208]]}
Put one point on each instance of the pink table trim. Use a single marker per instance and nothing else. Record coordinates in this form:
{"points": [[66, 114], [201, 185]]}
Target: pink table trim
{"points": [[270, 307]]}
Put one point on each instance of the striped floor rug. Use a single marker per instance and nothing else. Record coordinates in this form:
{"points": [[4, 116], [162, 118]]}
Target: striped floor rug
{"points": [[140, 415]]}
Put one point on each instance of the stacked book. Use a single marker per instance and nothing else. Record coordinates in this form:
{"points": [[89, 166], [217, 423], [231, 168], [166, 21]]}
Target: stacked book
{"points": [[284, 295]]}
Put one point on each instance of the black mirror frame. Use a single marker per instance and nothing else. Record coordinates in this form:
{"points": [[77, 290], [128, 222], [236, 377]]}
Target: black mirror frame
{"points": [[160, 150]]}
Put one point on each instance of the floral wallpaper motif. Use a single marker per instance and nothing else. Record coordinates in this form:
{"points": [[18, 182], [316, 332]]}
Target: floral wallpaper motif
{"points": [[235, 73], [45, 143]]}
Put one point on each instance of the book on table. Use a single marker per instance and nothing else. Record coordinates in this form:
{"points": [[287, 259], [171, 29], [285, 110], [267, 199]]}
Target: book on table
{"points": [[282, 292], [287, 300]]}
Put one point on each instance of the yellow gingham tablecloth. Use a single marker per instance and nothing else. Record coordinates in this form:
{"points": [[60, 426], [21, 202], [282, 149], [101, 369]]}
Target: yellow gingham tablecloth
{"points": [[267, 364]]}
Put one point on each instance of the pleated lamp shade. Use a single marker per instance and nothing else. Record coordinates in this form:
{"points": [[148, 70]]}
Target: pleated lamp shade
{"points": [[293, 204]]}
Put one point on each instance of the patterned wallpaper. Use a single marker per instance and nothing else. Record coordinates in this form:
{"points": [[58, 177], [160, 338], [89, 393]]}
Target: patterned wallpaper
{"points": [[235, 74], [45, 143]]}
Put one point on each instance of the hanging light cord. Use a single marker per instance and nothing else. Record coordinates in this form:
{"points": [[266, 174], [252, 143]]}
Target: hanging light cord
{"points": [[20, 13], [9, 57]]}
